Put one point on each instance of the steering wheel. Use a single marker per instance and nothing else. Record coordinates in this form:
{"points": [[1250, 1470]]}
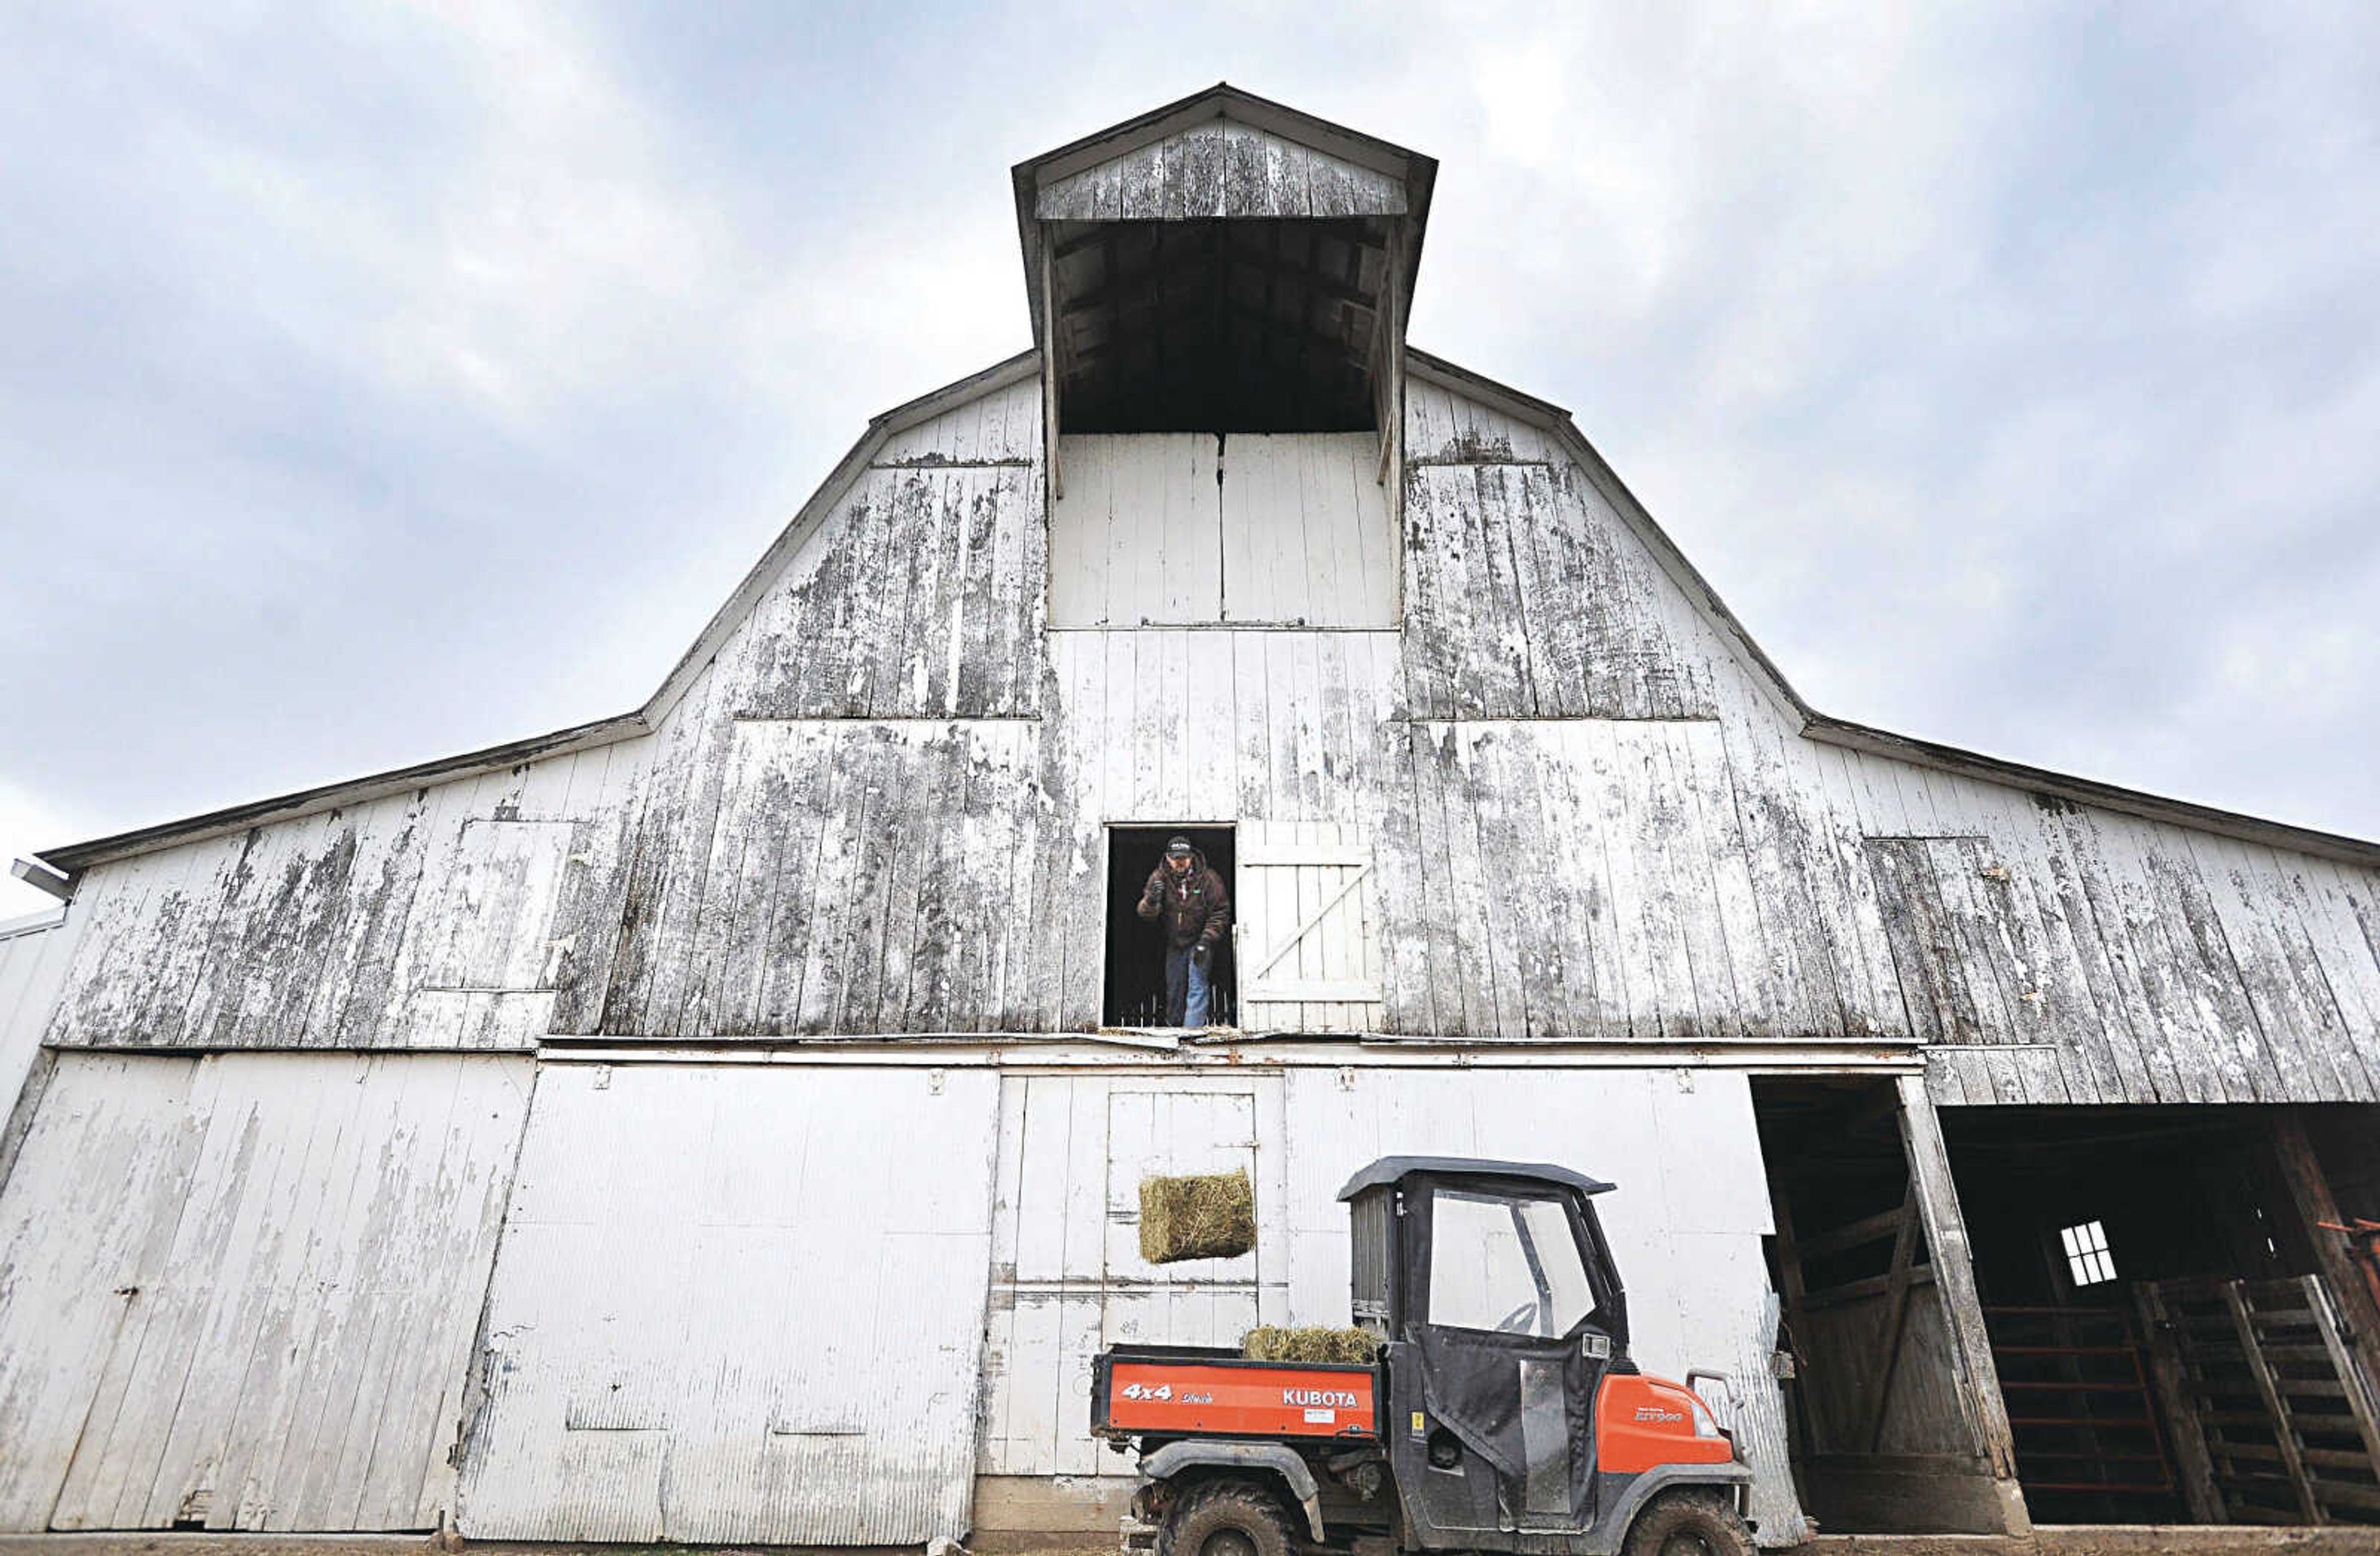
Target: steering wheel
{"points": [[1517, 1321]]}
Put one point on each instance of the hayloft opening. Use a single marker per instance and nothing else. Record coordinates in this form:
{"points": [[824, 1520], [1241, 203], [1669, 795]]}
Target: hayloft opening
{"points": [[1136, 991], [2179, 1335], [1268, 324]]}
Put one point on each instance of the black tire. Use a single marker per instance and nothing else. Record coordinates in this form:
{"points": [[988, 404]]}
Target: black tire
{"points": [[1226, 1518], [1700, 1522]]}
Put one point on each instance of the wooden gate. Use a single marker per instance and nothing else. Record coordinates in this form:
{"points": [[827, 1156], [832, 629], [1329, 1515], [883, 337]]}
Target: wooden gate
{"points": [[2271, 1419]]}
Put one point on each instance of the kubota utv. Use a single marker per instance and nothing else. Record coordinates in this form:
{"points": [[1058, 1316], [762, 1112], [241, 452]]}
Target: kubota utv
{"points": [[1499, 1411]]}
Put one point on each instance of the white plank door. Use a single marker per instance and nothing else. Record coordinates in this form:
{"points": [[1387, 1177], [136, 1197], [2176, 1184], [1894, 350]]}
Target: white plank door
{"points": [[1137, 539], [1308, 534], [738, 1305], [1068, 1278], [242, 1288], [1308, 945]]}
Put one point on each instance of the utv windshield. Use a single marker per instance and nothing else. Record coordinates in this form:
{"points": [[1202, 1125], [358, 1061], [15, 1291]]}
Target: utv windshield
{"points": [[1508, 1264]]}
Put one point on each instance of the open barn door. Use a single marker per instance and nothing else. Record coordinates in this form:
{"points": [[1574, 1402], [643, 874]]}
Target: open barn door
{"points": [[1309, 940]]}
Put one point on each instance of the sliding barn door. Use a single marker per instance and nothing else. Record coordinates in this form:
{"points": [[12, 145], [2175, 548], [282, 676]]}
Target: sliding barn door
{"points": [[238, 1291]]}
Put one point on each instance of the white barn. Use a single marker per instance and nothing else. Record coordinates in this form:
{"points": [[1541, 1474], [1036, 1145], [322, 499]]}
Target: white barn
{"points": [[724, 1121]]}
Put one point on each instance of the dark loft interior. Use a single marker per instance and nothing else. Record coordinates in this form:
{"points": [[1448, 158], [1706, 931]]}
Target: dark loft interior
{"points": [[1250, 325], [1136, 982]]}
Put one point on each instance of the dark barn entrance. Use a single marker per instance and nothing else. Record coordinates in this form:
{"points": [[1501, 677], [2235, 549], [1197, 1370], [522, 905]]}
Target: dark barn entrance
{"points": [[2180, 1333], [1136, 950]]}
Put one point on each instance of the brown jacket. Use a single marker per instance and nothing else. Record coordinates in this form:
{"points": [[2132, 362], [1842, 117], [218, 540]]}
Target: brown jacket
{"points": [[1195, 906]]}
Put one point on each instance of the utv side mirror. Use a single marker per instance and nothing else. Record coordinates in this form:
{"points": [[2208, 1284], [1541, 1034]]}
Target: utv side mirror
{"points": [[1595, 1346]]}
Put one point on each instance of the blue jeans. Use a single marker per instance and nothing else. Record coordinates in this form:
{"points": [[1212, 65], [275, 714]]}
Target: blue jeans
{"points": [[1188, 992]]}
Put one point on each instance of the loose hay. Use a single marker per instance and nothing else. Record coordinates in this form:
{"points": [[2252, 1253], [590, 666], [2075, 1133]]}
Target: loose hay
{"points": [[1267, 1343], [1211, 1217]]}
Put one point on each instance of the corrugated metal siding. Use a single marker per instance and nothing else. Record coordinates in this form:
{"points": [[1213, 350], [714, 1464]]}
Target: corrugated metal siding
{"points": [[1067, 1275], [1219, 168], [738, 1305], [241, 1289]]}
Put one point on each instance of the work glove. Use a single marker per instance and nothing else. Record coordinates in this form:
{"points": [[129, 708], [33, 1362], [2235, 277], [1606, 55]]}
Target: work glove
{"points": [[1204, 956]]}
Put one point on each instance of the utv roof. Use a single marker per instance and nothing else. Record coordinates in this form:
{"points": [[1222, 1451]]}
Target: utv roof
{"points": [[1393, 1168]]}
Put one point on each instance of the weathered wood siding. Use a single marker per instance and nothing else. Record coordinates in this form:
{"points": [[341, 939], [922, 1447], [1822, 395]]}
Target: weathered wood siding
{"points": [[1219, 168], [738, 1305], [445, 918], [920, 595], [881, 807], [1526, 596], [240, 1289]]}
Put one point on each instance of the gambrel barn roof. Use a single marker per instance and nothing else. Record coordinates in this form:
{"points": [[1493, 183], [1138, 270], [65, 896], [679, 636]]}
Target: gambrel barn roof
{"points": [[1224, 153]]}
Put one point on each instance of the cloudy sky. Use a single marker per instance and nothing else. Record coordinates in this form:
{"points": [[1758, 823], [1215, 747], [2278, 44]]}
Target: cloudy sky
{"points": [[376, 384]]}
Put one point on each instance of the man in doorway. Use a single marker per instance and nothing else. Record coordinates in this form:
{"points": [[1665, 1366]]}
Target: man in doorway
{"points": [[1190, 903]]}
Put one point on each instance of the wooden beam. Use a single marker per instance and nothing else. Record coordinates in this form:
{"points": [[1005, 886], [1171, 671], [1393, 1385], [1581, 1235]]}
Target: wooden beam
{"points": [[1974, 1375], [1053, 479], [2334, 1250], [1867, 1229], [1895, 1319], [43, 878], [2176, 1403], [1789, 1274]]}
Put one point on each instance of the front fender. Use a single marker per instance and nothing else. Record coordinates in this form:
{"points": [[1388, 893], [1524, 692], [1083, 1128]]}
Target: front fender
{"points": [[1175, 1457]]}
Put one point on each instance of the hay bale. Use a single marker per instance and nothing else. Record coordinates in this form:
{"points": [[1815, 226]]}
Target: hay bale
{"points": [[1209, 1217], [1267, 1343]]}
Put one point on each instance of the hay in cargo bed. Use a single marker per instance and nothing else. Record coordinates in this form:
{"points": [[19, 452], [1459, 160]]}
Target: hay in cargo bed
{"points": [[1268, 1343]]}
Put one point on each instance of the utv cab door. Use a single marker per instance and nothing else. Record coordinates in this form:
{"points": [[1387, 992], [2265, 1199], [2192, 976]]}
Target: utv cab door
{"points": [[1510, 1318]]}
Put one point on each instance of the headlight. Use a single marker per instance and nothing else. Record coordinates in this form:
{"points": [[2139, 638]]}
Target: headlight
{"points": [[1705, 1423]]}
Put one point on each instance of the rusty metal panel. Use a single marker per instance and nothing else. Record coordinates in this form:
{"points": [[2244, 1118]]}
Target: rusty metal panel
{"points": [[737, 1304], [242, 1287]]}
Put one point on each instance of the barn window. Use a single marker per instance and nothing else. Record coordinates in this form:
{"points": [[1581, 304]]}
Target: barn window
{"points": [[2088, 1258], [1136, 991]]}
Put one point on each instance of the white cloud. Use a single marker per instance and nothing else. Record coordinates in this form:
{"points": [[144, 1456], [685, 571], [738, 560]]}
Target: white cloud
{"points": [[385, 382]]}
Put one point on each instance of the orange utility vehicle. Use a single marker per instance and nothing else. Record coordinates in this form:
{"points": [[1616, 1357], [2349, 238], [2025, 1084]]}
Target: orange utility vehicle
{"points": [[1499, 1411]]}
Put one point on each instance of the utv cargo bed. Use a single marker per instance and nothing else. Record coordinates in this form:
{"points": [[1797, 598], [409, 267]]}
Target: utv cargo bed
{"points": [[1184, 1390]]}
